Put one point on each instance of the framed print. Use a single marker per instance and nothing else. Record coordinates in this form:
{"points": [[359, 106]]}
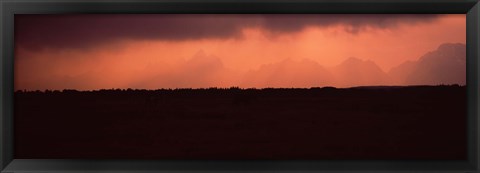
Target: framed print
{"points": [[197, 85]]}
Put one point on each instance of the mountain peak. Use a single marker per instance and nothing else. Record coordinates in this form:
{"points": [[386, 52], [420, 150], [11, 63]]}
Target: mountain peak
{"points": [[200, 53], [354, 72], [445, 65], [456, 51], [353, 59], [203, 59], [451, 46]]}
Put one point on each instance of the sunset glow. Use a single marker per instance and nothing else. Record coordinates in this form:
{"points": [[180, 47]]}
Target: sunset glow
{"points": [[89, 52]]}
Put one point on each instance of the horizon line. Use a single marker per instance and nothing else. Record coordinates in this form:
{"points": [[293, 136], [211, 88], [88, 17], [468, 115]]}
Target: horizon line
{"points": [[239, 88]]}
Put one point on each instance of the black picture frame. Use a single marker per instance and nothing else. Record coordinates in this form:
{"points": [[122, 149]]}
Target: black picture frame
{"points": [[9, 8]]}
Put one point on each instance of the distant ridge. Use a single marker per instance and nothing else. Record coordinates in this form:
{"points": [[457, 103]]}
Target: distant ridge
{"points": [[378, 87], [445, 65], [406, 86]]}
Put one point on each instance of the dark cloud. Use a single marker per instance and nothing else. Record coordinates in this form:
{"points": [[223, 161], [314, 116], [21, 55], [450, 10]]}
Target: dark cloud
{"points": [[80, 31], [355, 22], [88, 30]]}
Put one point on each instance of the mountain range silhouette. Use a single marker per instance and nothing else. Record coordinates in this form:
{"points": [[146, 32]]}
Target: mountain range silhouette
{"points": [[445, 65]]}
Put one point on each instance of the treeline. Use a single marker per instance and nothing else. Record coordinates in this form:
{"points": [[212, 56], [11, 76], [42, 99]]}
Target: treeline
{"points": [[327, 88], [237, 93]]}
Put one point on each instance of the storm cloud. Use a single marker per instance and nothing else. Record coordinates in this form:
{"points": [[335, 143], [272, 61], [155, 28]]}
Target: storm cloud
{"points": [[81, 31]]}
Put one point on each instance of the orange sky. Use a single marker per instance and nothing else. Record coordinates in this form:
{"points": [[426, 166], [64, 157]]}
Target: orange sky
{"points": [[250, 47]]}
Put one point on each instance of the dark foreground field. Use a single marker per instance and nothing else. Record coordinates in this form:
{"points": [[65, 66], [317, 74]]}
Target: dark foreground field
{"points": [[426, 122]]}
